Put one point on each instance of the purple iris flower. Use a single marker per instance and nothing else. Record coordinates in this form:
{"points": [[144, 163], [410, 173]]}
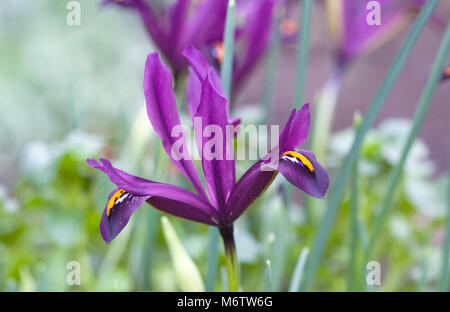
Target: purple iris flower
{"points": [[354, 35], [224, 199], [201, 23]]}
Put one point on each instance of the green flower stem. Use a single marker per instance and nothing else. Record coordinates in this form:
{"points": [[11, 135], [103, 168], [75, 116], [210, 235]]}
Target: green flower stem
{"points": [[443, 285], [230, 258], [303, 52], [226, 70], [353, 228], [337, 191], [268, 285]]}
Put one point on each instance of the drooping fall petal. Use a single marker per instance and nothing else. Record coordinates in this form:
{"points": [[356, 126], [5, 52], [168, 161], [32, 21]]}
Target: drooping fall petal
{"points": [[132, 191], [301, 168]]}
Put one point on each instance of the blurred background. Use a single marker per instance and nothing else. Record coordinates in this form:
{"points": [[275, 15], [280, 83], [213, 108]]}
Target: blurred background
{"points": [[72, 92]]}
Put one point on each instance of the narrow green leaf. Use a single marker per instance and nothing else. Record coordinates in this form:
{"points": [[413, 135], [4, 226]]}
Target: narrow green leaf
{"points": [[298, 272], [422, 109], [443, 285], [354, 201], [268, 284], [353, 233], [226, 71], [339, 185], [303, 52]]}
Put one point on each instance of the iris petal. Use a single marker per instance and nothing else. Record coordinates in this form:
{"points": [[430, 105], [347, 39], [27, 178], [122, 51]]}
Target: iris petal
{"points": [[250, 186], [306, 174], [217, 161], [168, 198], [111, 225], [298, 129]]}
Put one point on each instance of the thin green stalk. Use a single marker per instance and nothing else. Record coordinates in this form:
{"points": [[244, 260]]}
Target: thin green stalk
{"points": [[268, 285], [271, 68], [422, 109], [299, 269], [230, 259], [211, 272], [353, 233], [303, 52], [226, 70], [339, 185], [443, 285], [353, 228]]}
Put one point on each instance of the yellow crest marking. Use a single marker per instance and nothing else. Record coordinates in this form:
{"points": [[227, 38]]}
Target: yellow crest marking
{"points": [[113, 200], [301, 159]]}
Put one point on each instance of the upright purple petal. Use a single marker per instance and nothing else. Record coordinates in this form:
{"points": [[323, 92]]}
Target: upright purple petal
{"points": [[198, 72], [284, 135], [197, 60], [193, 92], [163, 114], [296, 129], [216, 150]]}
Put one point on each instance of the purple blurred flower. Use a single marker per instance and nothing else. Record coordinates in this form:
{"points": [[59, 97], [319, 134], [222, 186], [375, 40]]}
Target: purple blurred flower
{"points": [[225, 200], [353, 34], [201, 23]]}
